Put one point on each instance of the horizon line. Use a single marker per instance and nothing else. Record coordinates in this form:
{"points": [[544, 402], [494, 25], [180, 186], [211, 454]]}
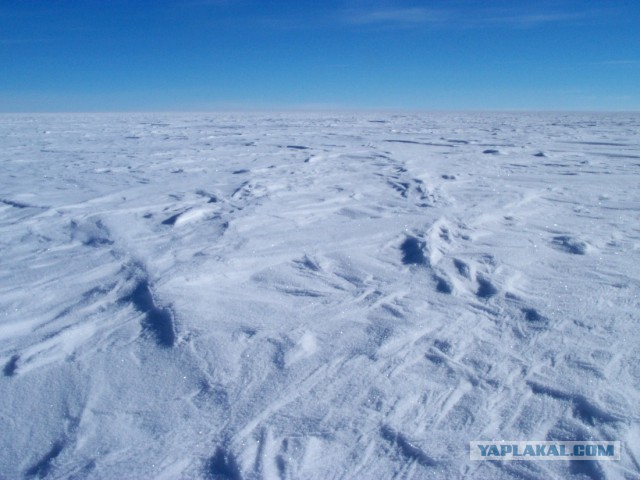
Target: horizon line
{"points": [[323, 110]]}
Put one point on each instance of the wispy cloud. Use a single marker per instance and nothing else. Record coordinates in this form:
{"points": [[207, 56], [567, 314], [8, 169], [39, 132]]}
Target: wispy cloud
{"points": [[462, 18], [608, 63], [530, 19], [396, 16], [21, 41], [204, 3]]}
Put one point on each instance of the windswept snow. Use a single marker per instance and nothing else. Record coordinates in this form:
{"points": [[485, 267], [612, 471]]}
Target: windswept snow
{"points": [[318, 296]]}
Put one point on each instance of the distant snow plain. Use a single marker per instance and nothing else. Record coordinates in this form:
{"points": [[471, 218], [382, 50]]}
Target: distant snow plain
{"points": [[317, 296]]}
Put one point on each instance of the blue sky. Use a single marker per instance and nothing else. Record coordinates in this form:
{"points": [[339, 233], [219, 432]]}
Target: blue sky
{"points": [[141, 55]]}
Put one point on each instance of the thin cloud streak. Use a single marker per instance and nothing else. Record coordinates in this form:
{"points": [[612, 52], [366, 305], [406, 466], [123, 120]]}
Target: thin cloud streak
{"points": [[533, 19], [400, 16], [451, 18], [205, 3], [608, 63], [21, 41]]}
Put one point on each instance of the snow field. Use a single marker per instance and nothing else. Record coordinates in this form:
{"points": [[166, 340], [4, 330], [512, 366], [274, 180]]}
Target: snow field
{"points": [[317, 296]]}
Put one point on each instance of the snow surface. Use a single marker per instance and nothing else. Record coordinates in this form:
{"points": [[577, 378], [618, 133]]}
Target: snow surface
{"points": [[317, 296]]}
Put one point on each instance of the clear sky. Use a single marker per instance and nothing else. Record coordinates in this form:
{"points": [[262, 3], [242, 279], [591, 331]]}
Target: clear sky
{"points": [[165, 55]]}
